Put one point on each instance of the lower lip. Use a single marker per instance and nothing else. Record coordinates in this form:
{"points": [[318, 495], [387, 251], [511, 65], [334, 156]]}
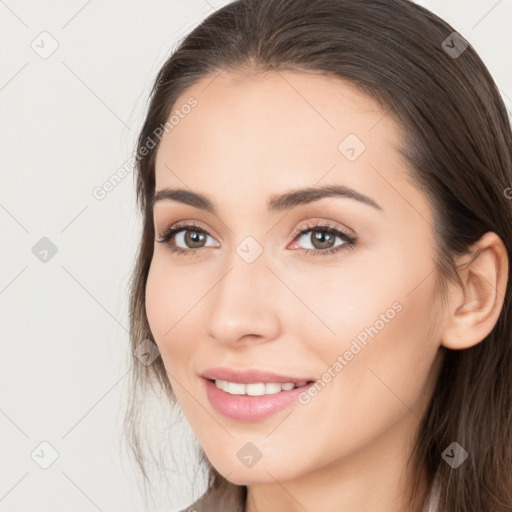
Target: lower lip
{"points": [[250, 408]]}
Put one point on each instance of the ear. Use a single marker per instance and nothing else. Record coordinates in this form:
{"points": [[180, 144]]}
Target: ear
{"points": [[475, 309]]}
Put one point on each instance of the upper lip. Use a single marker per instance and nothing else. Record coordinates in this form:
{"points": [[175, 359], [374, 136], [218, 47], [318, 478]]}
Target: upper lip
{"points": [[248, 376]]}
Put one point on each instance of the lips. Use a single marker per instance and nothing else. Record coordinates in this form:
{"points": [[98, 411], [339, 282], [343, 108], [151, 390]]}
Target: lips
{"points": [[243, 407], [250, 408], [249, 376]]}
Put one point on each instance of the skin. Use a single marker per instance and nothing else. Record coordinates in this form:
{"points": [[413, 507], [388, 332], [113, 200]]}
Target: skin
{"points": [[245, 141]]}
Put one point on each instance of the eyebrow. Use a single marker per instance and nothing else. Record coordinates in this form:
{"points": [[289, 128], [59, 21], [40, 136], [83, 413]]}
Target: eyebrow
{"points": [[275, 204]]}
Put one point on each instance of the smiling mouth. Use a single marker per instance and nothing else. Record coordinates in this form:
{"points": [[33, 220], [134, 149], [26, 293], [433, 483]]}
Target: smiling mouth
{"points": [[253, 401], [257, 388]]}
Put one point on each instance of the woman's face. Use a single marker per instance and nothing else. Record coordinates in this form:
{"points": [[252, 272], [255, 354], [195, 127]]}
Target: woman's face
{"points": [[358, 320]]}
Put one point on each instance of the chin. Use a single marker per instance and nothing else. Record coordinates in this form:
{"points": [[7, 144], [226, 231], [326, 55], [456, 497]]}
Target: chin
{"points": [[261, 472], [253, 476]]}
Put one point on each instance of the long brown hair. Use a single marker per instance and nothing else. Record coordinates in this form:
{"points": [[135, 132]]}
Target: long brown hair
{"points": [[459, 148]]}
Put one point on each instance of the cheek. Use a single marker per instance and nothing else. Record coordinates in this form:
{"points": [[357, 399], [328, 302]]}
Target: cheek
{"points": [[163, 312], [171, 298], [349, 297], [345, 305], [157, 301], [382, 362], [382, 338], [167, 299], [164, 309]]}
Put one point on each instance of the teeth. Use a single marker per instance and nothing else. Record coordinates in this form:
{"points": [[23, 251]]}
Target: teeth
{"points": [[270, 387], [255, 389]]}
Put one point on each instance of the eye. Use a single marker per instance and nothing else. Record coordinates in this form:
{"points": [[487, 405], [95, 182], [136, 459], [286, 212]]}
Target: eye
{"points": [[185, 235], [323, 237], [191, 237]]}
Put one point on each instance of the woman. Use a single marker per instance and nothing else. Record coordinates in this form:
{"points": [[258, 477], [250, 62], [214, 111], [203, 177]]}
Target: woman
{"points": [[324, 263]]}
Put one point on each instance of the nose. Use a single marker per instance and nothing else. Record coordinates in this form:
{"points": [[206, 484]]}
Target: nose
{"points": [[243, 307]]}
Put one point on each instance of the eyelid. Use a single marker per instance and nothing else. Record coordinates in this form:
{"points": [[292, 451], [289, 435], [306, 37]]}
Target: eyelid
{"points": [[184, 225], [349, 241], [322, 224]]}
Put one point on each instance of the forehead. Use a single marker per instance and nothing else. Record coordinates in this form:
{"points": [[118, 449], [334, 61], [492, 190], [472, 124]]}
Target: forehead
{"points": [[268, 131]]}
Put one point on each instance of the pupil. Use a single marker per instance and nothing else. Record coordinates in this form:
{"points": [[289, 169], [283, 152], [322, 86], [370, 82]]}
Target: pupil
{"points": [[321, 237], [194, 238]]}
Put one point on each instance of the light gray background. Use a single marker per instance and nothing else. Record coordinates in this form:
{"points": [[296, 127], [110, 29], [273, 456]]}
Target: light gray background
{"points": [[68, 122]]}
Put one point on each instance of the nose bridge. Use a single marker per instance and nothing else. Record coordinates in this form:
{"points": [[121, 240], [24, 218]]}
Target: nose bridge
{"points": [[243, 302]]}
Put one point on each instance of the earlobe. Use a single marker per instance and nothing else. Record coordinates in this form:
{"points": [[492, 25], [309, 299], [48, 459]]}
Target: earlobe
{"points": [[475, 309]]}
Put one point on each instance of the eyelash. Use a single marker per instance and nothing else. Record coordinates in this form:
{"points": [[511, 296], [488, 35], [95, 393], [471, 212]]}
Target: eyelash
{"points": [[168, 235]]}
